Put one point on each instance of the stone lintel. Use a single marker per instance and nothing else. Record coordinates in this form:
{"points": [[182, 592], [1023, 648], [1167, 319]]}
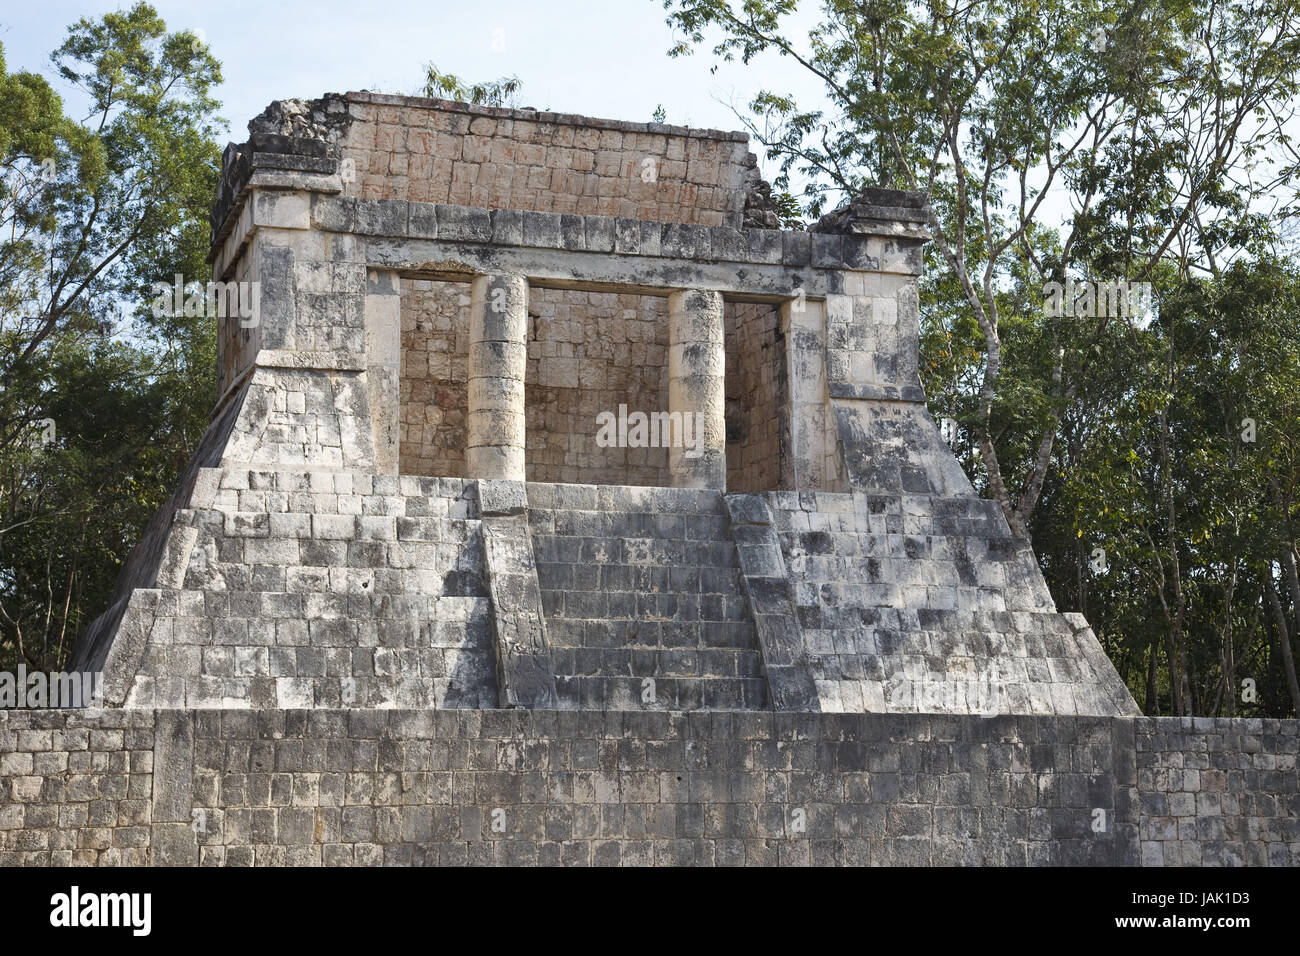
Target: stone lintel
{"points": [[398, 218]]}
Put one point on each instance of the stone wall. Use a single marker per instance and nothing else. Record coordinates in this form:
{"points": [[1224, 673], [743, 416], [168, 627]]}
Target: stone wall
{"points": [[298, 589], [1218, 792], [435, 378], [589, 352], [77, 788], [239, 338], [270, 787], [443, 152], [758, 399]]}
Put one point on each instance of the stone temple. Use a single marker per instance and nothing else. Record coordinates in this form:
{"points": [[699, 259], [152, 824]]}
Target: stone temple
{"points": [[402, 501], [411, 603]]}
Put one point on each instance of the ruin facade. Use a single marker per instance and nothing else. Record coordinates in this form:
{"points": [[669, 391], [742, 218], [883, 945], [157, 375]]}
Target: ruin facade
{"points": [[551, 478], [405, 498]]}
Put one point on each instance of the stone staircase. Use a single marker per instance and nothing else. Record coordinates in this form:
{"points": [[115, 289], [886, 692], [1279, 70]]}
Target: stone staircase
{"points": [[643, 600], [321, 589]]}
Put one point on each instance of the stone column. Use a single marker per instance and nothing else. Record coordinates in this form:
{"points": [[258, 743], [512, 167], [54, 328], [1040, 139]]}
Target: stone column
{"points": [[813, 454], [498, 350], [697, 388], [384, 365]]}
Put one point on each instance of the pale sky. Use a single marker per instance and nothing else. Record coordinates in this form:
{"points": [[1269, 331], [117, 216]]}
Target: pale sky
{"points": [[604, 58]]}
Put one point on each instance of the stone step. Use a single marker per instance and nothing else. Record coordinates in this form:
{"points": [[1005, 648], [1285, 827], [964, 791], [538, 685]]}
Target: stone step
{"points": [[223, 661], [935, 619], [311, 605], [918, 662], [458, 691], [826, 548], [668, 608], [623, 499], [832, 503], [984, 527], [883, 597], [677, 579], [666, 693], [442, 579], [344, 493], [295, 525], [274, 502], [323, 481], [598, 524], [606, 633], [941, 645], [984, 697], [656, 662], [634, 551]]}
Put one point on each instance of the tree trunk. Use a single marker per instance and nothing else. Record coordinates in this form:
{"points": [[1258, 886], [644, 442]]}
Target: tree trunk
{"points": [[1152, 707], [1284, 645]]}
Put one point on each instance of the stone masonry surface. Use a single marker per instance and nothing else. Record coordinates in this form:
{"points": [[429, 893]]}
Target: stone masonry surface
{"points": [[514, 159], [483, 787], [404, 608]]}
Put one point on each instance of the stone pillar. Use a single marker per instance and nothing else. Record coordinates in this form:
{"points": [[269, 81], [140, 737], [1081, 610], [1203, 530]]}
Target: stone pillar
{"points": [[384, 365], [814, 455], [697, 388], [498, 351]]}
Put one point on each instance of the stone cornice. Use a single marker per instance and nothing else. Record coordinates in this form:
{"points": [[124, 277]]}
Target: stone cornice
{"points": [[395, 218]]}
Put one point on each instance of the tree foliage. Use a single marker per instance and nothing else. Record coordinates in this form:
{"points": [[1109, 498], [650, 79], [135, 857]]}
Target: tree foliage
{"points": [[448, 86], [100, 400], [1179, 468], [1065, 140]]}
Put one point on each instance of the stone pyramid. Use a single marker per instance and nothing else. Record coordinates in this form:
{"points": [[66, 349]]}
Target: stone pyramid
{"points": [[405, 498]]}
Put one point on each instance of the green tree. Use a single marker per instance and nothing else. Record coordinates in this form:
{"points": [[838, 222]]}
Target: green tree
{"points": [[448, 86], [101, 401], [1180, 466], [1071, 139], [1143, 120]]}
